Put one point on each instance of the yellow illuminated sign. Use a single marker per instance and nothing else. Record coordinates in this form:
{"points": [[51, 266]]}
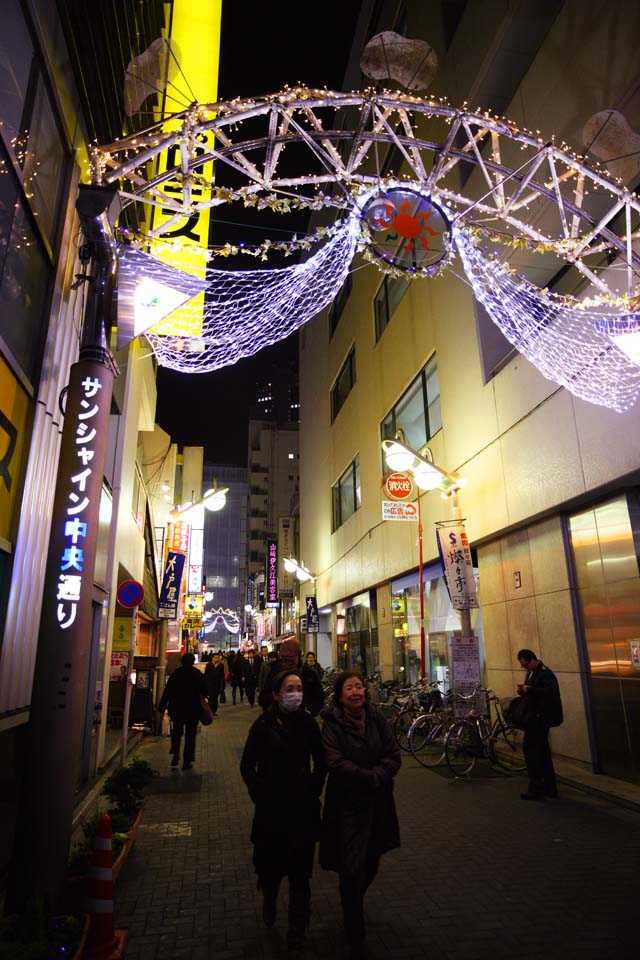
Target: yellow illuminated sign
{"points": [[14, 410], [195, 29], [121, 634]]}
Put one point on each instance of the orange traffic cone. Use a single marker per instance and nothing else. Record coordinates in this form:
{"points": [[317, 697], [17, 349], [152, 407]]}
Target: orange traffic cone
{"points": [[104, 941]]}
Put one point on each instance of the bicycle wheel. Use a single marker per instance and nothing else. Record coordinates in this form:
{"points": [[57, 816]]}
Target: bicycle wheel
{"points": [[461, 747], [401, 726], [426, 740], [505, 748]]}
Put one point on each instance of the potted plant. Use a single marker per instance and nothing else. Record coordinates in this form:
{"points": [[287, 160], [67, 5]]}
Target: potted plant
{"points": [[125, 791], [34, 936]]}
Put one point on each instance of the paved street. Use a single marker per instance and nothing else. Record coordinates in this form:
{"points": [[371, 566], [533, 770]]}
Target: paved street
{"points": [[481, 874]]}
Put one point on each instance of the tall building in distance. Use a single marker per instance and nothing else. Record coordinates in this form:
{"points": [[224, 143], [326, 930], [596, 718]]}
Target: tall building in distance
{"points": [[225, 536]]}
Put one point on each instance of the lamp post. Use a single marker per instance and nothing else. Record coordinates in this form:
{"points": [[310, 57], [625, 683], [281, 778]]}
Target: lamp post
{"points": [[304, 575], [427, 476]]}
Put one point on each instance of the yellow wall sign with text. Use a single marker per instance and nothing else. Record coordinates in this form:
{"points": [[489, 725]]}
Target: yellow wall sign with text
{"points": [[195, 29], [14, 416]]}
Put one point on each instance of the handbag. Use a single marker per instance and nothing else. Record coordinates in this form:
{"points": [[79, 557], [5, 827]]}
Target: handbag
{"points": [[519, 712], [223, 697], [206, 713]]}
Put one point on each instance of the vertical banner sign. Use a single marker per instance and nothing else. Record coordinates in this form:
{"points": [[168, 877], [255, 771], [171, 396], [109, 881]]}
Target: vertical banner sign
{"points": [[195, 29], [285, 549], [170, 589], [60, 683], [272, 573], [455, 553], [313, 620]]}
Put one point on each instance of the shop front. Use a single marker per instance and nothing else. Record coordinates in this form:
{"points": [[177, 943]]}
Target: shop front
{"points": [[441, 622], [357, 634]]}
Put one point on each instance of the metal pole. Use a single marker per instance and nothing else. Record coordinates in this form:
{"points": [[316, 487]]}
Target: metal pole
{"points": [[129, 691], [423, 644]]}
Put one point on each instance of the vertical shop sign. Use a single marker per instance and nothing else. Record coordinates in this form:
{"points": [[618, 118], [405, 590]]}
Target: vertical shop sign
{"points": [[272, 574], [455, 553], [170, 589], [313, 620], [465, 673], [285, 549]]}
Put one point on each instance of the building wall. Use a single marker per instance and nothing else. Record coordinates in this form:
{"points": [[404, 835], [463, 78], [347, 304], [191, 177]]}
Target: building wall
{"points": [[530, 451]]}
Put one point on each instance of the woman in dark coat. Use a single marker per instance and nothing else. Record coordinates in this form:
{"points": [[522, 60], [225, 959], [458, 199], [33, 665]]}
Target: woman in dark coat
{"points": [[359, 822], [276, 767]]}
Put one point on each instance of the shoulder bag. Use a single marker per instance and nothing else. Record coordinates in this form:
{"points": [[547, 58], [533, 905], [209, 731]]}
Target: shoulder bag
{"points": [[206, 713]]}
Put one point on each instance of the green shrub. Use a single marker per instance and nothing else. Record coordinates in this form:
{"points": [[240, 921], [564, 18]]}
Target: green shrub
{"points": [[124, 788]]}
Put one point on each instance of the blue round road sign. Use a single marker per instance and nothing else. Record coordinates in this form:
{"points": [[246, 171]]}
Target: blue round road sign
{"points": [[130, 593]]}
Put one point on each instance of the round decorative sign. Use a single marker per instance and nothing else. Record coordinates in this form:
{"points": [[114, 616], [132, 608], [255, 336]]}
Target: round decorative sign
{"points": [[398, 486], [406, 230], [130, 593]]}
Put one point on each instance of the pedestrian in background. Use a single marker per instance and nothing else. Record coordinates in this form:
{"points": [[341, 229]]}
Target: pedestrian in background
{"points": [[252, 672], [283, 767], [214, 676], [238, 676], [359, 822], [313, 664], [265, 681], [290, 659], [182, 697], [541, 689]]}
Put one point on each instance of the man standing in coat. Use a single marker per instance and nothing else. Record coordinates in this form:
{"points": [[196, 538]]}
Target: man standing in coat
{"points": [[214, 676], [290, 660], [540, 687], [182, 697]]}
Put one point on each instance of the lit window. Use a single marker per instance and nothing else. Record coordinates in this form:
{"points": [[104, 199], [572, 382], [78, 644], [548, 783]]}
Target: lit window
{"points": [[291, 456]]}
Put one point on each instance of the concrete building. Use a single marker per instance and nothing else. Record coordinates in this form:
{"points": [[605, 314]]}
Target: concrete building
{"points": [[551, 504]]}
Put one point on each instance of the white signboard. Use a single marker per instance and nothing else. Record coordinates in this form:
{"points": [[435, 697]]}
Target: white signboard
{"points": [[465, 673], [393, 510]]}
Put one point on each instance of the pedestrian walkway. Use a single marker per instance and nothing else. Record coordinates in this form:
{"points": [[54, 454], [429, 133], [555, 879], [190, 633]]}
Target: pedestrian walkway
{"points": [[480, 875]]}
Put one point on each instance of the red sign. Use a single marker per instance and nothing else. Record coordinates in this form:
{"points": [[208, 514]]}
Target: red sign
{"points": [[130, 593], [398, 486]]}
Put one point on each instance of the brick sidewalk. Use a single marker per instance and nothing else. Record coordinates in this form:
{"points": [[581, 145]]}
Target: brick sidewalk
{"points": [[481, 874]]}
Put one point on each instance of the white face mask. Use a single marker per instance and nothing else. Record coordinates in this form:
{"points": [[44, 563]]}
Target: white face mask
{"points": [[291, 701]]}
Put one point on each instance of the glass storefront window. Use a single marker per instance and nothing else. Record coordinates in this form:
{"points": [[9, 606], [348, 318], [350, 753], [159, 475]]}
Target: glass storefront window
{"points": [[441, 623]]}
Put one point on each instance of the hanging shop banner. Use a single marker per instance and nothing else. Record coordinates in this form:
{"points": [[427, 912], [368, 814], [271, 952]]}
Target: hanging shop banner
{"points": [[14, 412], [170, 589], [313, 620], [455, 553], [286, 580], [392, 510], [272, 573]]}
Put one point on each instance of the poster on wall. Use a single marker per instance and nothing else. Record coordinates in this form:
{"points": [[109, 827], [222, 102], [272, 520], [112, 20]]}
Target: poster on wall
{"points": [[464, 658]]}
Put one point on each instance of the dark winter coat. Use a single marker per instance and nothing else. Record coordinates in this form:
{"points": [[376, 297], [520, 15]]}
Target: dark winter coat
{"points": [[544, 695], [183, 694], [252, 671], [238, 670], [277, 769], [214, 676], [360, 819], [266, 682]]}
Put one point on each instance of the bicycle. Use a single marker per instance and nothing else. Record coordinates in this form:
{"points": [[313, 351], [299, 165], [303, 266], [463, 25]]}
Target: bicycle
{"points": [[476, 737], [420, 702], [428, 731]]}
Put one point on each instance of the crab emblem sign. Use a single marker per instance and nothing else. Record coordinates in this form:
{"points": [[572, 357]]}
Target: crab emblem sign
{"points": [[407, 230]]}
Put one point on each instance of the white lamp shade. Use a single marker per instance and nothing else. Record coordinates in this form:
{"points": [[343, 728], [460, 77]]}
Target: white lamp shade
{"points": [[214, 500], [289, 565], [398, 457], [427, 477], [302, 575]]}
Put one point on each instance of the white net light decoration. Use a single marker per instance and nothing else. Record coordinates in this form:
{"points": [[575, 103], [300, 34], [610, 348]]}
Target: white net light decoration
{"points": [[246, 310], [515, 207], [568, 344]]}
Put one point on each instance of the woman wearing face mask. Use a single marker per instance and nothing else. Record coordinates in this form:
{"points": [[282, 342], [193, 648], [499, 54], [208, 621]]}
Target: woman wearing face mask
{"points": [[284, 769], [359, 822]]}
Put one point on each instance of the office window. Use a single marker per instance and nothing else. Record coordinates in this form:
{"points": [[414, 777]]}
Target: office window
{"points": [[346, 494], [417, 412], [389, 295], [338, 305], [344, 382]]}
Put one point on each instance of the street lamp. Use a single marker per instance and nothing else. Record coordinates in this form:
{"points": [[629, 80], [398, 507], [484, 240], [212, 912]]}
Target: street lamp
{"points": [[214, 500], [301, 572], [427, 476]]}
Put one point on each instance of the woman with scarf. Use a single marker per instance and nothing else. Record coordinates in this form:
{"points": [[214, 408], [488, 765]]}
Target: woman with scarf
{"points": [[359, 822], [284, 769]]}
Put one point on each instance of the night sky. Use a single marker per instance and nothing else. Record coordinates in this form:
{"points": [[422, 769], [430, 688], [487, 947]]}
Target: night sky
{"points": [[264, 47]]}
